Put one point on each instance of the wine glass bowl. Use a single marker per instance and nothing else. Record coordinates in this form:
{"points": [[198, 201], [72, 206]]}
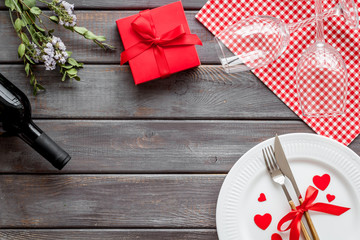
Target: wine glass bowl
{"points": [[321, 74], [322, 81], [251, 43], [259, 40]]}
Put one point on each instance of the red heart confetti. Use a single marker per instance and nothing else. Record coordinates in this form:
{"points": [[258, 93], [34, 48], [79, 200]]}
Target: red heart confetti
{"points": [[276, 236], [321, 182], [330, 197], [262, 197], [262, 221]]}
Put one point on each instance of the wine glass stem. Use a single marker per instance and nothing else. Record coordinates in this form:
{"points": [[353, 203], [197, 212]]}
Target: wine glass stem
{"points": [[293, 27], [319, 21]]}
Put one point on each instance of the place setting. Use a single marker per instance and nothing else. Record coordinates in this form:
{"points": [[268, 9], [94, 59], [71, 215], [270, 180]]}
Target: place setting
{"points": [[323, 173]]}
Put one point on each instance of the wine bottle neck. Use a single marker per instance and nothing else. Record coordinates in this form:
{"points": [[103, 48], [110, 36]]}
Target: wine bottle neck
{"points": [[44, 145], [30, 132]]}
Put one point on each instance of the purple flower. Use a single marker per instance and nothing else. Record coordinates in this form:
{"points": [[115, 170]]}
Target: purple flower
{"points": [[52, 53], [69, 20]]}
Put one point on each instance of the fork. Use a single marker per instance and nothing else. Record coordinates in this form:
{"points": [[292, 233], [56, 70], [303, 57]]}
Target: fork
{"points": [[279, 178]]}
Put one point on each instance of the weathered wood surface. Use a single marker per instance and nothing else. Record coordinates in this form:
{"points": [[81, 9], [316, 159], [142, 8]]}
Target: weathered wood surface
{"points": [[109, 234], [145, 146], [124, 4], [147, 161], [108, 91], [101, 23], [118, 201]]}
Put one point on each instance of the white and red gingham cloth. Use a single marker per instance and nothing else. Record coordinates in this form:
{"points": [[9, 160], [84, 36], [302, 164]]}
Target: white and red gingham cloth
{"points": [[279, 76]]}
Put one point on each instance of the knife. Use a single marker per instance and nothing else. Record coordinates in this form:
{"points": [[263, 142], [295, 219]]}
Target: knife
{"points": [[285, 168]]}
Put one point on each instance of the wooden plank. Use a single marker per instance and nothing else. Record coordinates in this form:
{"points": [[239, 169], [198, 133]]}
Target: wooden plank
{"points": [[134, 4], [109, 234], [101, 23], [118, 201], [108, 91], [145, 146]]}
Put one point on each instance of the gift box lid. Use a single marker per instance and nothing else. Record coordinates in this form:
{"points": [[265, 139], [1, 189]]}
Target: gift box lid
{"points": [[144, 67]]}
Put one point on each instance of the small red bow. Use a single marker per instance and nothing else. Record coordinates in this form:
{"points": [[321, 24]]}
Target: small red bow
{"points": [[144, 27], [295, 215]]}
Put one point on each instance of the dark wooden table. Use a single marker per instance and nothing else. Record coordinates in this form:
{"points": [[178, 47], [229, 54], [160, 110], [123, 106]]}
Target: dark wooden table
{"points": [[147, 161]]}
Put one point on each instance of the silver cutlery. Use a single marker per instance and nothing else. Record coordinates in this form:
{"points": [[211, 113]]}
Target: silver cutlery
{"points": [[279, 178], [286, 170]]}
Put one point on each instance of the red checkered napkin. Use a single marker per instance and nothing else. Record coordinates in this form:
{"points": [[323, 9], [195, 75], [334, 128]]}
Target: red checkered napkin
{"points": [[279, 76]]}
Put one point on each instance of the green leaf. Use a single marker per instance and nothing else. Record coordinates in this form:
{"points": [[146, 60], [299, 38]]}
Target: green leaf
{"points": [[21, 50], [63, 77], [69, 28], [72, 62], [67, 66], [72, 72], [10, 4], [40, 87], [28, 4], [36, 11], [90, 35], [51, 31], [35, 90], [105, 46], [69, 53], [18, 24], [24, 38], [39, 28], [101, 38], [29, 59], [27, 69], [32, 79], [77, 78], [55, 19], [80, 30]]}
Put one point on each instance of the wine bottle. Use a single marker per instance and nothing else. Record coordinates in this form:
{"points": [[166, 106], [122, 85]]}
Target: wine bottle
{"points": [[15, 119]]}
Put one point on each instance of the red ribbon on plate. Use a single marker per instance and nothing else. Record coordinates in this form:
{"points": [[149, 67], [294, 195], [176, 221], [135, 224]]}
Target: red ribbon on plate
{"points": [[295, 215], [144, 26]]}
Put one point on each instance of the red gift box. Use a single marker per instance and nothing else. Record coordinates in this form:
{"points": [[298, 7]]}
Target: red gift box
{"points": [[158, 42]]}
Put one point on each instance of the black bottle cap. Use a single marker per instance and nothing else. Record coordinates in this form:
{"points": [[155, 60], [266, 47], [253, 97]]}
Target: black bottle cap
{"points": [[51, 151]]}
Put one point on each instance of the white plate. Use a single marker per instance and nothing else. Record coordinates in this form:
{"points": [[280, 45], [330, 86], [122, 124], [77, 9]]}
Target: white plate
{"points": [[308, 155]]}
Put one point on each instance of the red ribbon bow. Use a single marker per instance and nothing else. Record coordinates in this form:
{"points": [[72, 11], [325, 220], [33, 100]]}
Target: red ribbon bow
{"points": [[144, 26], [295, 215]]}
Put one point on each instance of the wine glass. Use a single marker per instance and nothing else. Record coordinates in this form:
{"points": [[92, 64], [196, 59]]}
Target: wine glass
{"points": [[321, 75], [257, 41]]}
